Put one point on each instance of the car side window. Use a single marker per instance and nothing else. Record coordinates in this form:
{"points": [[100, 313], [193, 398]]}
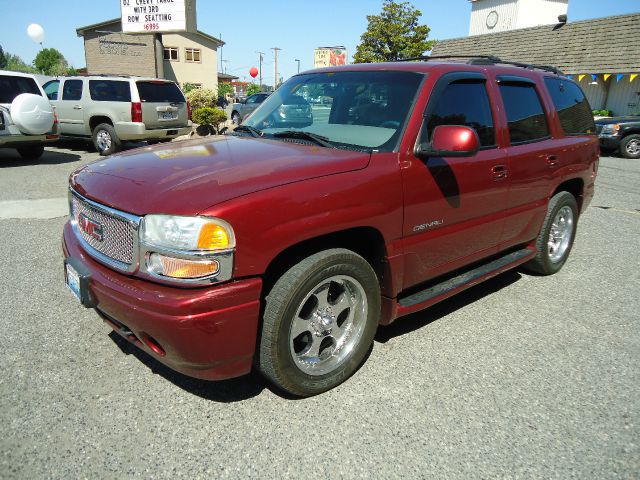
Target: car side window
{"points": [[526, 119], [110, 91], [572, 106], [252, 99], [261, 98], [72, 90], [51, 89], [464, 102]]}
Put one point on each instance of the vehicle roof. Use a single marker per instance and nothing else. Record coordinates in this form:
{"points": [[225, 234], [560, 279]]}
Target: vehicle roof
{"points": [[113, 77], [11, 73], [440, 67]]}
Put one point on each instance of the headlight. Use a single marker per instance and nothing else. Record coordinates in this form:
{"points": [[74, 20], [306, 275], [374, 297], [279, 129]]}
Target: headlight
{"points": [[187, 233], [195, 250], [611, 129]]}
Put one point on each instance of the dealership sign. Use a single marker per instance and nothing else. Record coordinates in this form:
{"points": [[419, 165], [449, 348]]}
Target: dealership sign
{"points": [[140, 16]]}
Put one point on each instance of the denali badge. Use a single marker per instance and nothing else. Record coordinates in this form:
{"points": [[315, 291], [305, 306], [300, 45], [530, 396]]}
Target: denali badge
{"points": [[425, 226], [90, 227]]}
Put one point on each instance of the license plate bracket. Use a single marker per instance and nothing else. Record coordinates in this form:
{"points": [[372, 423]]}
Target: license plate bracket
{"points": [[77, 277]]}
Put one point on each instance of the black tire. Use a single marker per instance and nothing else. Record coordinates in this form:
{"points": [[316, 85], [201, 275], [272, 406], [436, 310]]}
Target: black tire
{"points": [[630, 146], [235, 118], [32, 152], [549, 260], [287, 298], [155, 142], [106, 140]]}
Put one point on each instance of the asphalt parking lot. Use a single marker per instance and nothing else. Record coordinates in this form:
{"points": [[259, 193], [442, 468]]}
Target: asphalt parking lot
{"points": [[520, 377]]}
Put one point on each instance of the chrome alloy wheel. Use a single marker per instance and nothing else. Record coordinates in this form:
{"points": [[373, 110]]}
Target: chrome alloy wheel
{"points": [[560, 234], [633, 147], [103, 140], [328, 324]]}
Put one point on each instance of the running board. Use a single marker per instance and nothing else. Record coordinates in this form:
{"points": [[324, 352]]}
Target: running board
{"points": [[435, 293]]}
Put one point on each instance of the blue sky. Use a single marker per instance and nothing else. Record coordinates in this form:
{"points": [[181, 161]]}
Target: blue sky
{"points": [[247, 26]]}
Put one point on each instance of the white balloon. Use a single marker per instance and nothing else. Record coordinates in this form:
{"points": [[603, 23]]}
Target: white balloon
{"points": [[36, 33]]}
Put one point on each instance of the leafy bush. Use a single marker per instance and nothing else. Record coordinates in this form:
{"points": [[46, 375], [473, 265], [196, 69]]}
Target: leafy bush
{"points": [[602, 113], [252, 88], [187, 87], [202, 98], [209, 116]]}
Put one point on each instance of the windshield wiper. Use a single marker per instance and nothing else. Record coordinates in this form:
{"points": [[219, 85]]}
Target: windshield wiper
{"points": [[248, 128], [304, 135]]}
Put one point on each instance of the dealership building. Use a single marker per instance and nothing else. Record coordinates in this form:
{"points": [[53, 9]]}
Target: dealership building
{"points": [[136, 44]]}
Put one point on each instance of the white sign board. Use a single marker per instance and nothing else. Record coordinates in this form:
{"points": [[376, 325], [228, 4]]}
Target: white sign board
{"points": [[139, 16]]}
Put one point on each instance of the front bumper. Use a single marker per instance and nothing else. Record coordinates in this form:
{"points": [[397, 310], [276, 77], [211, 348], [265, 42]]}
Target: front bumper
{"points": [[138, 131], [609, 142], [208, 333]]}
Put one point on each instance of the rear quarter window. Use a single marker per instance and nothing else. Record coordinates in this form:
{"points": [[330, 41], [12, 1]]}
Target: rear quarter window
{"points": [[160, 92], [109, 91], [11, 87], [573, 107], [526, 118]]}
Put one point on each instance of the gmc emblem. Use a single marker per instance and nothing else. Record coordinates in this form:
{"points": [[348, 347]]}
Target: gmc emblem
{"points": [[90, 227]]}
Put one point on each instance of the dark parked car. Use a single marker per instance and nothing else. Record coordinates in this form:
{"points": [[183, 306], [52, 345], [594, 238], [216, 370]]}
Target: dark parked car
{"points": [[282, 248], [620, 133]]}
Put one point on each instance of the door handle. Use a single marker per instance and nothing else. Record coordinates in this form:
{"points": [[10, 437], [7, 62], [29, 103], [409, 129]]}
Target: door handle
{"points": [[77, 107], [552, 161], [499, 172]]}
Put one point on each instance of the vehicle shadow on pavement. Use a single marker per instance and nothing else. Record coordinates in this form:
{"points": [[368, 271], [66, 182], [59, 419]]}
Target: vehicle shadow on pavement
{"points": [[225, 391], [420, 319], [9, 158]]}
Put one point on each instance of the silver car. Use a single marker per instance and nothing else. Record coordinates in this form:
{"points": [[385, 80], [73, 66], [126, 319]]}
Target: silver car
{"points": [[242, 110], [111, 110]]}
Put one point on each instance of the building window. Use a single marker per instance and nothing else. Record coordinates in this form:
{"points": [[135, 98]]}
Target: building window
{"points": [[192, 55], [171, 53]]}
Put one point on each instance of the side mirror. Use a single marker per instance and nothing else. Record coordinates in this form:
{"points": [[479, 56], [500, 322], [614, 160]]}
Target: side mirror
{"points": [[450, 141]]}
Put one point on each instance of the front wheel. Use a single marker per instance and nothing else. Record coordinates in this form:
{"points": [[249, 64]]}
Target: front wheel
{"points": [[630, 146], [106, 140], [319, 322], [555, 240]]}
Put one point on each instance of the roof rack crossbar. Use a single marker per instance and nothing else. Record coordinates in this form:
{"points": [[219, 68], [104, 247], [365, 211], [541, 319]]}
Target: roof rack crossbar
{"points": [[485, 60]]}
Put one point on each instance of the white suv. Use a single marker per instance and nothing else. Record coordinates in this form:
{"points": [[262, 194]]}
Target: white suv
{"points": [[27, 119], [110, 110]]}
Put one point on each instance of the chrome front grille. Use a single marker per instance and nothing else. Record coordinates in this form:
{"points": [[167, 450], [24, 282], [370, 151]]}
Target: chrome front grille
{"points": [[117, 232]]}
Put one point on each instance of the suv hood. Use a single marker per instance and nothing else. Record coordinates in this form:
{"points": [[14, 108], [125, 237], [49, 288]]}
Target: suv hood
{"points": [[184, 178], [611, 120]]}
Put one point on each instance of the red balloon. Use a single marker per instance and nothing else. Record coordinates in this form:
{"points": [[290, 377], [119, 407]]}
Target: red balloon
{"points": [[253, 72]]}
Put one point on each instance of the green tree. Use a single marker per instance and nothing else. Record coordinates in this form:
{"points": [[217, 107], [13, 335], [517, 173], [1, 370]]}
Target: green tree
{"points": [[3, 59], [252, 88], [224, 89], [16, 64], [393, 35], [50, 62]]}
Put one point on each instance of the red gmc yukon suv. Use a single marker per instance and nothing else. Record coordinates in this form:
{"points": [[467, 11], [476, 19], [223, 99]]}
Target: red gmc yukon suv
{"points": [[284, 245]]}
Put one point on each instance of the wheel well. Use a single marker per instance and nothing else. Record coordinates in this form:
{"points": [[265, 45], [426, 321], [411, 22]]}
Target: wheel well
{"points": [[575, 187], [635, 131], [95, 121], [365, 241]]}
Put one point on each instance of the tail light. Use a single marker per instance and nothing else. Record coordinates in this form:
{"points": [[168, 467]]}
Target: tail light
{"points": [[188, 110], [136, 112]]}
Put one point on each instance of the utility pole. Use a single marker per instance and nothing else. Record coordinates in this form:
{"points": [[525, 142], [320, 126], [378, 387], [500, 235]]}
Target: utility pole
{"points": [[221, 55], [224, 70], [261, 54], [275, 67], [297, 60]]}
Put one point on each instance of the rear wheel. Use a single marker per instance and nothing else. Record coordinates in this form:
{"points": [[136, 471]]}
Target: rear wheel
{"points": [[106, 140], [556, 237], [31, 152], [630, 146], [319, 322]]}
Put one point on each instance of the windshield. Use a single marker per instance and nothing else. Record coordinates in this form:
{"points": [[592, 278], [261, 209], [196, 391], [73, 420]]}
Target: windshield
{"points": [[364, 110]]}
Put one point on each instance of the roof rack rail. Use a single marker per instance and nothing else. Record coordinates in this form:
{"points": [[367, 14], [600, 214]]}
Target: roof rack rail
{"points": [[485, 60]]}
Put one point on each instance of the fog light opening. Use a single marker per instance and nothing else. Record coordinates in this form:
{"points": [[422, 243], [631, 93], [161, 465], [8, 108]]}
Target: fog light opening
{"points": [[153, 344]]}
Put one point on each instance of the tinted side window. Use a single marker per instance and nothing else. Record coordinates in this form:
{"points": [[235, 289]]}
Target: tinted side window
{"points": [[253, 99], [525, 115], [109, 91], [72, 90], [11, 87], [51, 89], [465, 103], [160, 92], [572, 106]]}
